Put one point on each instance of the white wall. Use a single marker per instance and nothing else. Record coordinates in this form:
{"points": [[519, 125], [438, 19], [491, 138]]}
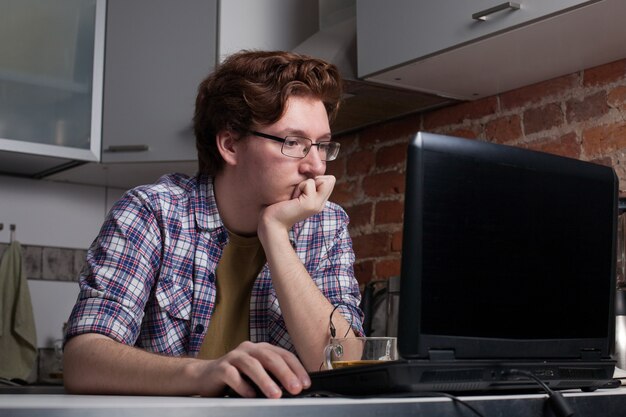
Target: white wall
{"points": [[51, 214], [112, 195]]}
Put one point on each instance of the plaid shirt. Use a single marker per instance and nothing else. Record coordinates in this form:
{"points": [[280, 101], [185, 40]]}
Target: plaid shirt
{"points": [[149, 278]]}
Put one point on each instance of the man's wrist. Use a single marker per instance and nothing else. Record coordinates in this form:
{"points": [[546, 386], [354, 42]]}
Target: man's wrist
{"points": [[270, 231], [193, 373]]}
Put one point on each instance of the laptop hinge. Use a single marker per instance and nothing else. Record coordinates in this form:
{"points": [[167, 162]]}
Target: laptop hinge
{"points": [[441, 355], [590, 354]]}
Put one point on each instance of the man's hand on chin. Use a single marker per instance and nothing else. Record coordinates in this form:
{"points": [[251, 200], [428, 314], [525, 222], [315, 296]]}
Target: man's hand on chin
{"points": [[308, 198]]}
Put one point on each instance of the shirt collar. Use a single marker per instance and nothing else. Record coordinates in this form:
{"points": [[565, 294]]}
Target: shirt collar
{"points": [[205, 207]]}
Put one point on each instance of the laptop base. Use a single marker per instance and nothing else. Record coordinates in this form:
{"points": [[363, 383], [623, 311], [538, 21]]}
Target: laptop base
{"points": [[406, 376]]}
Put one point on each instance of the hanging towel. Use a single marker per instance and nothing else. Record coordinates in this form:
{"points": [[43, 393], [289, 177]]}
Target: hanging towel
{"points": [[18, 339]]}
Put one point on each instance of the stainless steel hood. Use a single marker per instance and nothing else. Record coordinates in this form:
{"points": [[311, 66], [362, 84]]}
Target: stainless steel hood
{"points": [[365, 103]]}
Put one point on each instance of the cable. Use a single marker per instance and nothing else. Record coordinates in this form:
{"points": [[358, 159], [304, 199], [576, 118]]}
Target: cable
{"points": [[333, 330], [455, 400], [555, 399]]}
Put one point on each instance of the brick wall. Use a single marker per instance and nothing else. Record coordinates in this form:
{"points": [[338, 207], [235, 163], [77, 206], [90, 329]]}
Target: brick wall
{"points": [[580, 115]]}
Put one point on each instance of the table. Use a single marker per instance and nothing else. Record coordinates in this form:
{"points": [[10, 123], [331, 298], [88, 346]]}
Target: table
{"points": [[604, 403]]}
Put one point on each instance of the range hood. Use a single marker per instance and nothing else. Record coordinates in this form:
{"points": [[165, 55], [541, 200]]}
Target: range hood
{"points": [[364, 103]]}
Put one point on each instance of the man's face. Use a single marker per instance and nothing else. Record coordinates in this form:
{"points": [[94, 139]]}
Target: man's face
{"points": [[265, 173]]}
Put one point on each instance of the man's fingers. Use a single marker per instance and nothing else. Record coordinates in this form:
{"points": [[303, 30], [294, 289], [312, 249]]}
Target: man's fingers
{"points": [[233, 378], [260, 361], [285, 367], [256, 372], [306, 187], [297, 368], [325, 179], [325, 185], [308, 198]]}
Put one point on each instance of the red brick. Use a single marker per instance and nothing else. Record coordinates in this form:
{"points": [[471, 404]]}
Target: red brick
{"points": [[379, 133], [536, 92], [387, 268], [344, 193], [389, 212], [458, 113], [371, 245], [617, 97], [360, 162], [567, 145], [385, 184], [364, 271], [391, 155], [396, 242], [542, 118], [604, 74], [590, 107], [606, 161], [504, 129], [464, 133], [360, 215], [349, 142], [337, 167], [601, 140]]}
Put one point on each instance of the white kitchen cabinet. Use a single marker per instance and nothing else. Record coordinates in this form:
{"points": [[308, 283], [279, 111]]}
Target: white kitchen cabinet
{"points": [[437, 46], [157, 52], [403, 30], [51, 56]]}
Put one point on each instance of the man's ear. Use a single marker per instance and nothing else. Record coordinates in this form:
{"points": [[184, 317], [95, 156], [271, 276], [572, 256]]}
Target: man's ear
{"points": [[226, 140]]}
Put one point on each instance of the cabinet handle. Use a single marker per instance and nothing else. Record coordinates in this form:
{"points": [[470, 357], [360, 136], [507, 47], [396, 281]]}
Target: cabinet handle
{"points": [[128, 148], [507, 5]]}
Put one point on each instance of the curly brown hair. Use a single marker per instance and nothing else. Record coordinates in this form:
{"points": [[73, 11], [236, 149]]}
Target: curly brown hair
{"points": [[251, 88]]}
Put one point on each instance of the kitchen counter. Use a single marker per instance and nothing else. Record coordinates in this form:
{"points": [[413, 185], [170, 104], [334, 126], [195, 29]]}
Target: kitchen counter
{"points": [[609, 402]]}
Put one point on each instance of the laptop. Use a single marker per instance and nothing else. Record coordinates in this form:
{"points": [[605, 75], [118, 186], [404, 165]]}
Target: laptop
{"points": [[507, 276]]}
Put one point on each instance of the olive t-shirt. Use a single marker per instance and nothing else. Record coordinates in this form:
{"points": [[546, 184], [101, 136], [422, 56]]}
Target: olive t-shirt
{"points": [[241, 262]]}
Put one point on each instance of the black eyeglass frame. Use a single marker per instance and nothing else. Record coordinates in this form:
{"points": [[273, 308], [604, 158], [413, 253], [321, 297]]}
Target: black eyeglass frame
{"points": [[283, 140]]}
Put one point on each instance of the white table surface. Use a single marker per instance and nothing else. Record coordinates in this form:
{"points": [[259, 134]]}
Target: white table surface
{"points": [[105, 405]]}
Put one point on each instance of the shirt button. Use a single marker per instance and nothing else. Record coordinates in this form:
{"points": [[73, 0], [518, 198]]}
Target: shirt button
{"points": [[199, 328]]}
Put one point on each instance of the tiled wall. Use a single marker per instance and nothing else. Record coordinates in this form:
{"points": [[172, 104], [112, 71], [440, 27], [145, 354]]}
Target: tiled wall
{"points": [[50, 263]]}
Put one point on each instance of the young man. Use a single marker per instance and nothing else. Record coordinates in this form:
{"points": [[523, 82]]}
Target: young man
{"points": [[238, 276]]}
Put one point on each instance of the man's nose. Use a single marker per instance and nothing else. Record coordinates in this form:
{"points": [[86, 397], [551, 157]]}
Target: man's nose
{"points": [[312, 164]]}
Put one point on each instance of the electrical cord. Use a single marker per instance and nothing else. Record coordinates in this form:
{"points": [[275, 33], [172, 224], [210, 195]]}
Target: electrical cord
{"points": [[555, 399], [455, 400]]}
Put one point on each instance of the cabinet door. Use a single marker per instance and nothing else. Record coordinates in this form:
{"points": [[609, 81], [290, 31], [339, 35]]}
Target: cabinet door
{"points": [[400, 31], [50, 82], [157, 52]]}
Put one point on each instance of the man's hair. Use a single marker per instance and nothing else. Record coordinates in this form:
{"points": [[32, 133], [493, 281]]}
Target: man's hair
{"points": [[251, 88]]}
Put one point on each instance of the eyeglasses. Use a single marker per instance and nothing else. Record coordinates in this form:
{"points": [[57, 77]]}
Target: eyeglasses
{"points": [[299, 147]]}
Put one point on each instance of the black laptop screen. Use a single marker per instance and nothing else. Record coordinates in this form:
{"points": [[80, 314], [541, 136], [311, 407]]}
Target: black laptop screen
{"points": [[506, 251]]}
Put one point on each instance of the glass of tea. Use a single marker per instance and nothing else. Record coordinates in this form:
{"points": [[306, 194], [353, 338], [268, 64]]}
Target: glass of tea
{"points": [[356, 351]]}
